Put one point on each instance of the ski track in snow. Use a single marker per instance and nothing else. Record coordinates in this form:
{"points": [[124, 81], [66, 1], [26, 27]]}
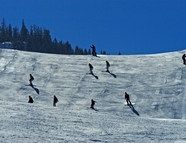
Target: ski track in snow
{"points": [[155, 83]]}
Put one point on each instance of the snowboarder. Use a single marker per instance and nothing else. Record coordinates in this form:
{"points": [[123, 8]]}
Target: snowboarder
{"points": [[93, 50], [91, 68], [55, 101], [107, 66], [30, 100], [183, 58], [127, 98], [92, 103], [31, 79]]}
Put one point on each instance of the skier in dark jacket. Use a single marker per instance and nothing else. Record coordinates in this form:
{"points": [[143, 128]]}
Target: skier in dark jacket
{"points": [[93, 50], [31, 79], [92, 103], [127, 98], [107, 66], [91, 68], [55, 101], [30, 100], [183, 58]]}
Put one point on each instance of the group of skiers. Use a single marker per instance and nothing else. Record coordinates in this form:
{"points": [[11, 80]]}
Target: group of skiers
{"points": [[31, 99], [107, 67], [55, 100], [127, 98]]}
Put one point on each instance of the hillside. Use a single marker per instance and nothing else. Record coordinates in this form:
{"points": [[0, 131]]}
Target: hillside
{"points": [[155, 83]]}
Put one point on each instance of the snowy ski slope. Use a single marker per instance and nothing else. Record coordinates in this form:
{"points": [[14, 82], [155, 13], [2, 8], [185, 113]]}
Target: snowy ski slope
{"points": [[155, 83]]}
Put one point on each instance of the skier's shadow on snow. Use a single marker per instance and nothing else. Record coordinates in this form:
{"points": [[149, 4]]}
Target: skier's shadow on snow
{"points": [[112, 74], [37, 90], [95, 76], [132, 108]]}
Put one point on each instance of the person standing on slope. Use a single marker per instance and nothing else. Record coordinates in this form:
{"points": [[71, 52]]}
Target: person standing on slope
{"points": [[183, 58], [55, 101], [127, 98], [107, 66], [93, 50]]}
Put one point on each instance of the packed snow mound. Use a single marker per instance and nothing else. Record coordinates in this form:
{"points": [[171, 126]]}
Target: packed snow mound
{"points": [[155, 83]]}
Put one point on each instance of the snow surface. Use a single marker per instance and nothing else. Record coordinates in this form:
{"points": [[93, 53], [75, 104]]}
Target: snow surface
{"points": [[155, 83]]}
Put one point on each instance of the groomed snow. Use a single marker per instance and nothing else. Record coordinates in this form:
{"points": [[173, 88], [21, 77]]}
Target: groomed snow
{"points": [[155, 83]]}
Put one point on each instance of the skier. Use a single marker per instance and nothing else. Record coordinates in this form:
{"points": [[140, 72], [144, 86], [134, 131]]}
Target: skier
{"points": [[91, 68], [127, 98], [93, 50], [92, 103], [30, 100], [183, 58], [31, 79], [107, 66], [55, 101]]}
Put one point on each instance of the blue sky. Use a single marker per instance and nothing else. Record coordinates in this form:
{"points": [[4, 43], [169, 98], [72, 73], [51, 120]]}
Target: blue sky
{"points": [[125, 26]]}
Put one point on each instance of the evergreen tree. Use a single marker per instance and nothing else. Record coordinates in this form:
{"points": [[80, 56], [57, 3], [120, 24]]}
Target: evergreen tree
{"points": [[78, 51], [89, 52], [9, 33], [61, 48], [68, 48], [37, 40], [15, 39], [85, 52], [24, 32], [3, 31], [54, 47], [47, 41], [30, 42], [103, 52]]}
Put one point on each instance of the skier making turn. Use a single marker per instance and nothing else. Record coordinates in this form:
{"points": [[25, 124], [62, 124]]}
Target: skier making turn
{"points": [[91, 68], [31, 79]]}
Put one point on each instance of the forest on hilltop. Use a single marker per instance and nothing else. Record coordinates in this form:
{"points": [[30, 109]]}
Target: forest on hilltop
{"points": [[37, 39]]}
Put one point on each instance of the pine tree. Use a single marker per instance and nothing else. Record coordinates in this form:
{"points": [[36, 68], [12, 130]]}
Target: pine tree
{"points": [[3, 31], [24, 32]]}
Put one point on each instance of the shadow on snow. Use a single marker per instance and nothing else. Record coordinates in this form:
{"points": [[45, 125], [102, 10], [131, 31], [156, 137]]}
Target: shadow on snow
{"points": [[133, 109], [36, 89], [112, 74]]}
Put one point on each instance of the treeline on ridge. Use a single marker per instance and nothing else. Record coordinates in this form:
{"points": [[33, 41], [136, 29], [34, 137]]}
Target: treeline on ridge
{"points": [[37, 39]]}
